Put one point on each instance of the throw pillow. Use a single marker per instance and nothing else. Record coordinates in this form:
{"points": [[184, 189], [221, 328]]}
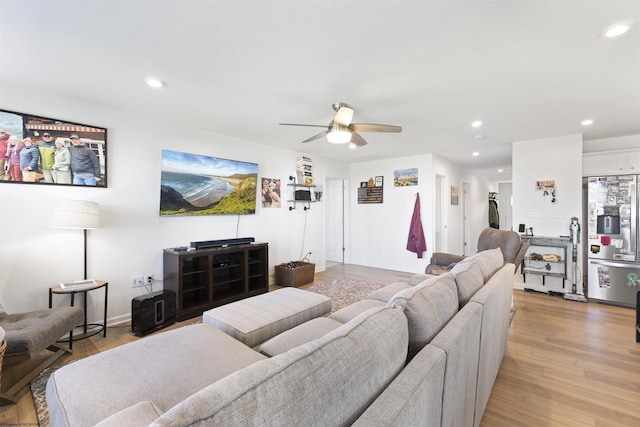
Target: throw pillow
{"points": [[428, 307], [489, 262], [469, 279]]}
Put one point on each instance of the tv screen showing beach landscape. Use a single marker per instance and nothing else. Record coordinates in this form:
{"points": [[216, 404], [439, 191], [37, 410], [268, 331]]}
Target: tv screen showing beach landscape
{"points": [[193, 184]]}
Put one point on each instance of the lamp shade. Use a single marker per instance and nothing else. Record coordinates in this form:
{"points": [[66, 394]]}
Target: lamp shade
{"points": [[75, 214]]}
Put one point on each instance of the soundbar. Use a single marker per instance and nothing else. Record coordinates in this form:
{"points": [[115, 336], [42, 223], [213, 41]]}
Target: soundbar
{"points": [[222, 242]]}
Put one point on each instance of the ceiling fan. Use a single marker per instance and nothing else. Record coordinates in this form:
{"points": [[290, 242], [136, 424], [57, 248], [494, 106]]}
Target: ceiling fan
{"points": [[341, 130]]}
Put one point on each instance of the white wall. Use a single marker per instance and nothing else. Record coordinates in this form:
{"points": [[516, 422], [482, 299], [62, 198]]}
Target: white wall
{"points": [[379, 232], [132, 235], [559, 159]]}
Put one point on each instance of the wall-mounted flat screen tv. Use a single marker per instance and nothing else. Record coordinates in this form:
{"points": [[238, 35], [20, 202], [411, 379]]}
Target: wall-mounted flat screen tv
{"points": [[42, 150], [193, 184]]}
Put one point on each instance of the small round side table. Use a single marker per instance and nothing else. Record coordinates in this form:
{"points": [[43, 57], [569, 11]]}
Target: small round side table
{"points": [[89, 329]]}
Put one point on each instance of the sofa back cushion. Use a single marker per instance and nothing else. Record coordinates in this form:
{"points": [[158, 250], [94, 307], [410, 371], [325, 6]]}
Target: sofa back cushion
{"points": [[328, 381], [428, 307], [489, 261], [468, 277]]}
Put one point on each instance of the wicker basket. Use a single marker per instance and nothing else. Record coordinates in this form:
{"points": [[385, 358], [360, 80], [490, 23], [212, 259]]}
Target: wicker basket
{"points": [[298, 276], [2, 349]]}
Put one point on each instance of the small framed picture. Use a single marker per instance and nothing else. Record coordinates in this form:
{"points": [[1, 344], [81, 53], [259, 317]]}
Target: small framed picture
{"points": [[363, 184], [379, 181]]}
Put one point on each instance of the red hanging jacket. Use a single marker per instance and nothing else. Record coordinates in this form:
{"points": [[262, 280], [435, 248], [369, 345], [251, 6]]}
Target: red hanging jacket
{"points": [[416, 242]]}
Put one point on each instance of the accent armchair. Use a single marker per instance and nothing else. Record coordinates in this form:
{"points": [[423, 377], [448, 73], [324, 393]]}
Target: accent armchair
{"points": [[513, 250]]}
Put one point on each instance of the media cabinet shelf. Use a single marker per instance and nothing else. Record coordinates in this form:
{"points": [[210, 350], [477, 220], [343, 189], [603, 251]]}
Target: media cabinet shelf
{"points": [[206, 278]]}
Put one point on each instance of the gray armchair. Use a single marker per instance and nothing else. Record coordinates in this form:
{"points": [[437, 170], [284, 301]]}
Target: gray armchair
{"points": [[26, 336], [513, 250]]}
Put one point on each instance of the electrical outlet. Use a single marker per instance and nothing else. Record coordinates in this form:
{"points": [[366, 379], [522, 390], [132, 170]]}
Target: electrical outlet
{"points": [[137, 281], [148, 279]]}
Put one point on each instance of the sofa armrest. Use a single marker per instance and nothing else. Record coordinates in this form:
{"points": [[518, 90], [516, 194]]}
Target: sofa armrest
{"points": [[140, 414], [441, 258]]}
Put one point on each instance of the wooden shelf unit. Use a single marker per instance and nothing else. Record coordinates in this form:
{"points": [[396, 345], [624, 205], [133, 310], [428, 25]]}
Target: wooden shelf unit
{"points": [[206, 278]]}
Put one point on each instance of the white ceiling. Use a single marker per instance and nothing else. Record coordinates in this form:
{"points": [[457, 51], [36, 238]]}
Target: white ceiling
{"points": [[528, 69]]}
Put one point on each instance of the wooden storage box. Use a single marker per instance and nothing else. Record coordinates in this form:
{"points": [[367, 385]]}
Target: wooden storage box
{"points": [[297, 276]]}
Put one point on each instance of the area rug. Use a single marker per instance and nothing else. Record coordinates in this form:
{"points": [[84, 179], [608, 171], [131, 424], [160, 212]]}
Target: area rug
{"points": [[344, 291], [38, 387]]}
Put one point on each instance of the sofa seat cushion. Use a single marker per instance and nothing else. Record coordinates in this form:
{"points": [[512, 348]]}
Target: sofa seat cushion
{"points": [[349, 312], [301, 334], [385, 293], [254, 320], [468, 278], [428, 308], [327, 382], [163, 368], [489, 261]]}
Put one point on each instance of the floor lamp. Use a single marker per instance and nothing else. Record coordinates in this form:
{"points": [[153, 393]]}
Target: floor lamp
{"points": [[76, 214]]}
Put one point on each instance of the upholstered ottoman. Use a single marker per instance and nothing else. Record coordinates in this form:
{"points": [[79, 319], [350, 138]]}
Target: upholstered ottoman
{"points": [[254, 320]]}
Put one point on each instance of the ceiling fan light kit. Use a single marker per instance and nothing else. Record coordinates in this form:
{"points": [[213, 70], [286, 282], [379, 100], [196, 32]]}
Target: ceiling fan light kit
{"points": [[339, 134], [340, 130]]}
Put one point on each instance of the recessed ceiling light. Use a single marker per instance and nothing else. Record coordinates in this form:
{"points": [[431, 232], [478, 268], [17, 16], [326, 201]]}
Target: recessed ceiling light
{"points": [[353, 146], [616, 30], [476, 124], [155, 83], [587, 122], [500, 170], [478, 136], [475, 154]]}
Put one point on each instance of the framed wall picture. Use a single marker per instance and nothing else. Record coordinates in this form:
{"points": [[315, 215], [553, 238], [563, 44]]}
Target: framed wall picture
{"points": [[42, 150], [405, 177], [455, 195]]}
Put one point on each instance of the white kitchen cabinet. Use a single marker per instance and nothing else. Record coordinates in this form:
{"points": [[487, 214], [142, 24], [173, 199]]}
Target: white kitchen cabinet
{"points": [[611, 163]]}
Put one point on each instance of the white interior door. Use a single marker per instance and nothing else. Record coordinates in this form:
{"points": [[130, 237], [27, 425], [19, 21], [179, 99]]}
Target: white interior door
{"points": [[466, 224], [334, 214], [504, 205], [440, 217]]}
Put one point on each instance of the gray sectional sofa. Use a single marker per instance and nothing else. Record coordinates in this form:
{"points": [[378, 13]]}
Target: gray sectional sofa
{"points": [[408, 355]]}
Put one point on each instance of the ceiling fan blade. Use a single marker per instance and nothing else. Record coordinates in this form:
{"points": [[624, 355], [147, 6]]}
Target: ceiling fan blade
{"points": [[344, 115], [357, 139], [372, 127], [313, 138], [298, 124]]}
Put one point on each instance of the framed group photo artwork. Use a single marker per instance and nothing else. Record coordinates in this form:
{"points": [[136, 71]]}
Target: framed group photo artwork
{"points": [[43, 150]]}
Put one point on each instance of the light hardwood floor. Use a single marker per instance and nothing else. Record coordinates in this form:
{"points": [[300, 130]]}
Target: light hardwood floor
{"points": [[567, 363]]}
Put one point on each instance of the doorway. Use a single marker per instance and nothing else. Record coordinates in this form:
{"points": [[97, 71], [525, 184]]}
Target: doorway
{"points": [[505, 210], [440, 215], [334, 197], [466, 224]]}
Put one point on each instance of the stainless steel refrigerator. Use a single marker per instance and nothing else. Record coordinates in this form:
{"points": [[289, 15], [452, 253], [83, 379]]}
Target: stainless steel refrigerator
{"points": [[612, 244]]}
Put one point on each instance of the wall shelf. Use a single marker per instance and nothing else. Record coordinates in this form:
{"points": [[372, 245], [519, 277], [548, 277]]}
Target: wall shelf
{"points": [[306, 204]]}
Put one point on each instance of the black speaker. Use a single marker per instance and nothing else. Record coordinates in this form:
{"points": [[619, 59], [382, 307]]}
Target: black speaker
{"points": [[152, 312]]}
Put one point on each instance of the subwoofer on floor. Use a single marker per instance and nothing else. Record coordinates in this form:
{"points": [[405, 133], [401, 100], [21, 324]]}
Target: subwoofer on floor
{"points": [[153, 312]]}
